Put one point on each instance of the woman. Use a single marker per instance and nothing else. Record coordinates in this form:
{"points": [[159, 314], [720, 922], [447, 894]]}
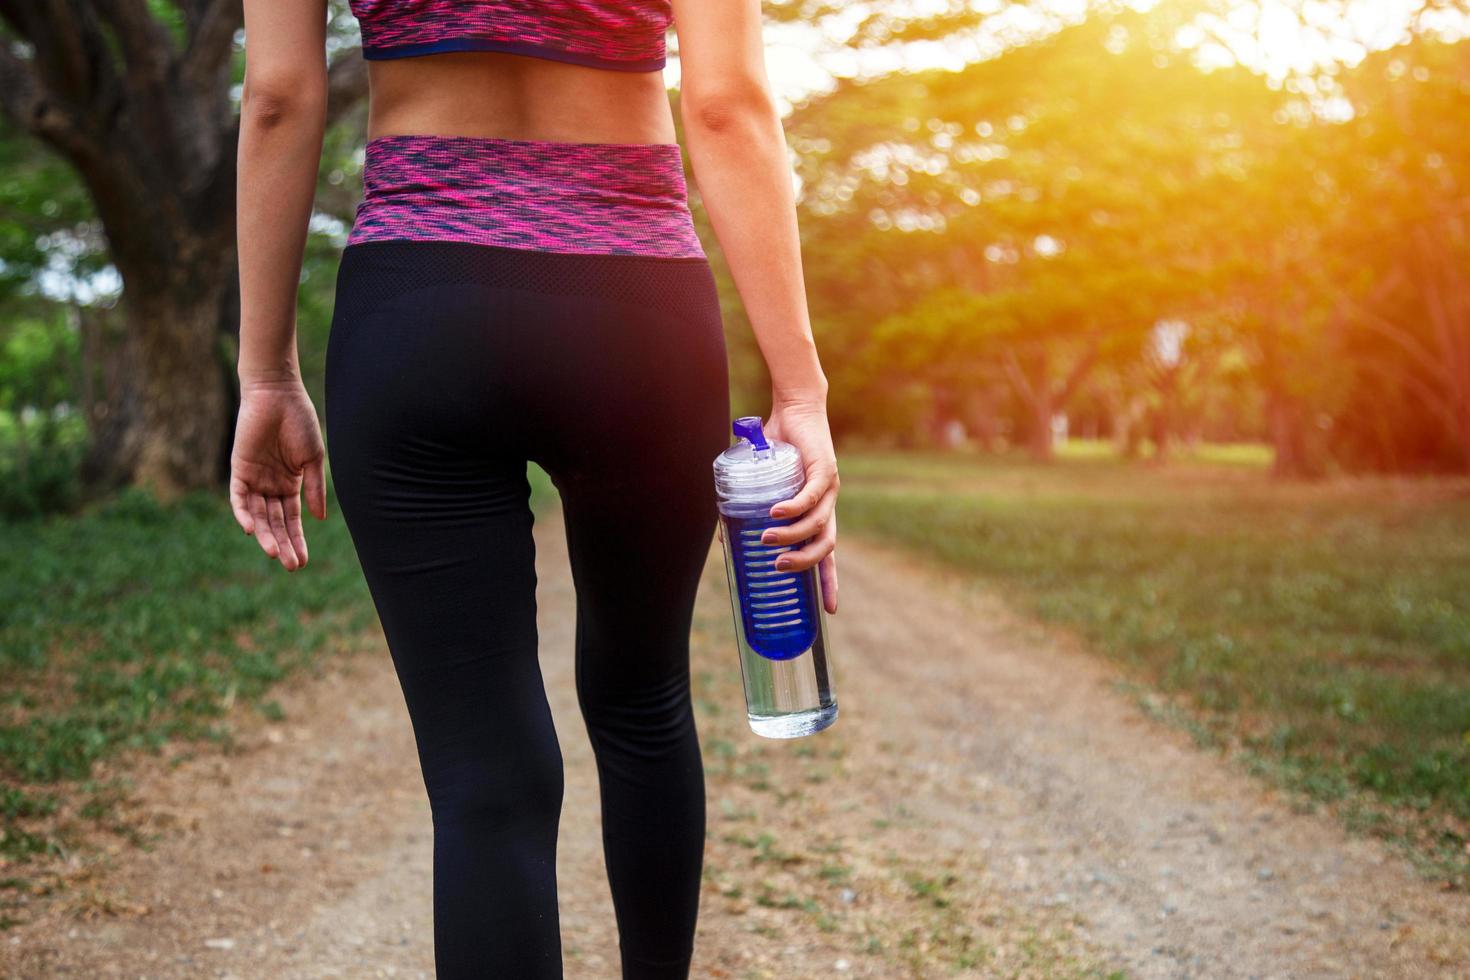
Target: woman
{"points": [[523, 282]]}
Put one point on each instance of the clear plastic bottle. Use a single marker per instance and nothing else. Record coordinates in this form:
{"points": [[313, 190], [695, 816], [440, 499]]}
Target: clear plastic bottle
{"points": [[780, 625]]}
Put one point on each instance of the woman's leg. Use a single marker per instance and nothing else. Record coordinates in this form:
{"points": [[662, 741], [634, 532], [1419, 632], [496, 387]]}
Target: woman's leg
{"points": [[448, 364], [636, 572], [630, 444], [438, 514]]}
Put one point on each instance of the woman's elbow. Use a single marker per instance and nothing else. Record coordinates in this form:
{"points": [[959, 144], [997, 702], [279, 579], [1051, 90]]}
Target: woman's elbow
{"points": [[282, 98], [734, 108]]}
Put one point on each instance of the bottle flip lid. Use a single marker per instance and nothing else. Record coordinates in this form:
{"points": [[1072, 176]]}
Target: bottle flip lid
{"points": [[748, 427], [756, 467]]}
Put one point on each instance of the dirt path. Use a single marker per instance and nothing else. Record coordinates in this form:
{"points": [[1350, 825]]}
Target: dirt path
{"points": [[987, 805]]}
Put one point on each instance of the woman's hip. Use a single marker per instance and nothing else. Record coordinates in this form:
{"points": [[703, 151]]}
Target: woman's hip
{"points": [[487, 349], [574, 198]]}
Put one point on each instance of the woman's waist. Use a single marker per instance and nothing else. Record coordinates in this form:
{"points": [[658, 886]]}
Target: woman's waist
{"points": [[520, 98], [607, 198]]}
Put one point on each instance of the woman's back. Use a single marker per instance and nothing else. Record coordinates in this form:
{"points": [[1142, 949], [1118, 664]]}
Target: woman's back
{"points": [[555, 70], [516, 97]]}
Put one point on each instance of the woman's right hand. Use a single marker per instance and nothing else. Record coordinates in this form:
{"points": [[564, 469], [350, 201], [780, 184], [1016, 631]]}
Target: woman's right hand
{"points": [[803, 423], [278, 449]]}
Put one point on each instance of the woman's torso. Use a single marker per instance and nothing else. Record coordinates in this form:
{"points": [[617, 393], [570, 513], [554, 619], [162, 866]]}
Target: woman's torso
{"points": [[554, 70], [552, 132], [516, 97]]}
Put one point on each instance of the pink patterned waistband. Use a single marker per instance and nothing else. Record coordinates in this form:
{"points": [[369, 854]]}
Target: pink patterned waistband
{"points": [[589, 198]]}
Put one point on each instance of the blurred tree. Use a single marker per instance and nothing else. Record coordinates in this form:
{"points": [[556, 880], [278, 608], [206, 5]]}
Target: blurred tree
{"points": [[1036, 216], [1363, 182], [137, 95], [994, 245], [38, 360], [1399, 251], [46, 221], [1032, 215]]}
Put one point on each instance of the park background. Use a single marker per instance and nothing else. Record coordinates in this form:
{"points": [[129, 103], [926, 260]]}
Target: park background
{"points": [[1152, 319]]}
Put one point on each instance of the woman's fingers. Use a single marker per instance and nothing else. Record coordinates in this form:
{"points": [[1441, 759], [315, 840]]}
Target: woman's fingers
{"points": [[263, 533], [814, 551], [277, 513], [817, 526], [818, 482], [276, 521], [292, 504], [316, 490], [827, 572], [810, 524], [241, 509]]}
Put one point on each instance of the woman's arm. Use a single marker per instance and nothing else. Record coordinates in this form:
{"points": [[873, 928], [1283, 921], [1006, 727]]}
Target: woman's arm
{"points": [[740, 159], [282, 116]]}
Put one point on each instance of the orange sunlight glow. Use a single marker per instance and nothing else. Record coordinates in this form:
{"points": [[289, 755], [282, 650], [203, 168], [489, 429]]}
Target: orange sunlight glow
{"points": [[1278, 38]]}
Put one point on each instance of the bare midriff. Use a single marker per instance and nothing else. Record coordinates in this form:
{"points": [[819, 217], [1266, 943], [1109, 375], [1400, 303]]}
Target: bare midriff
{"points": [[516, 97]]}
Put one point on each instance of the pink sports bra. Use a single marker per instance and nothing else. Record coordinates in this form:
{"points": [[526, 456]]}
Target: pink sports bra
{"points": [[624, 35]]}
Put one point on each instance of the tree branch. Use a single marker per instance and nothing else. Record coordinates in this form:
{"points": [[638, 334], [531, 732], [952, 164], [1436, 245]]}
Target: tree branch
{"points": [[1017, 376], [67, 41], [20, 89], [347, 84], [1405, 340], [194, 12], [1079, 371], [211, 41], [1446, 330], [23, 99], [1436, 401], [145, 42]]}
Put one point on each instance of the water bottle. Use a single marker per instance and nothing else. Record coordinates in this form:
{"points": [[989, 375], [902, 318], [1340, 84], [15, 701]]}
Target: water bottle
{"points": [[780, 625]]}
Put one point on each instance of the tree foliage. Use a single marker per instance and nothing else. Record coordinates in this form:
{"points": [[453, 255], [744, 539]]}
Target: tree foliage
{"points": [[1020, 229], [1084, 222], [139, 99]]}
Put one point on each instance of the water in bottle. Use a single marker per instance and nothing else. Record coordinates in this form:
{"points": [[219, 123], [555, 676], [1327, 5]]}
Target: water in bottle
{"points": [[780, 625]]}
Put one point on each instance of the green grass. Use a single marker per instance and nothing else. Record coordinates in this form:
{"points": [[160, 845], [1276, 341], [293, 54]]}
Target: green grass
{"points": [[1322, 631], [1248, 454], [135, 621], [132, 625]]}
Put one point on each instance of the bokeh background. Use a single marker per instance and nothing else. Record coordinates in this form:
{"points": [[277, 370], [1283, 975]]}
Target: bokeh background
{"points": [[1151, 318]]}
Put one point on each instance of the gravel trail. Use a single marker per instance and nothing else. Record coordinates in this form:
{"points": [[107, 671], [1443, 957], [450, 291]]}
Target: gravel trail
{"points": [[988, 804]]}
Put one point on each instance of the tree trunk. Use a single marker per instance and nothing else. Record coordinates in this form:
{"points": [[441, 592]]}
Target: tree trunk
{"points": [[1044, 396], [160, 424], [982, 418], [1166, 414], [1298, 454], [1298, 451], [1043, 408], [1463, 435], [1163, 434], [137, 97], [1128, 429]]}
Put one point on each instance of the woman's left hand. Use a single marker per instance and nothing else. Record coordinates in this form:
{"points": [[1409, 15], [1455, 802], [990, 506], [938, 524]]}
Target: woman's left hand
{"points": [[278, 447], [804, 425]]}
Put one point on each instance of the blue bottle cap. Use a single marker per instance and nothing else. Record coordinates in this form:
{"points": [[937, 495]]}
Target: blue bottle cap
{"points": [[749, 427], [757, 468]]}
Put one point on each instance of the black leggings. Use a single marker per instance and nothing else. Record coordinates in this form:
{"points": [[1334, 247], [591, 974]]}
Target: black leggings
{"points": [[450, 365]]}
